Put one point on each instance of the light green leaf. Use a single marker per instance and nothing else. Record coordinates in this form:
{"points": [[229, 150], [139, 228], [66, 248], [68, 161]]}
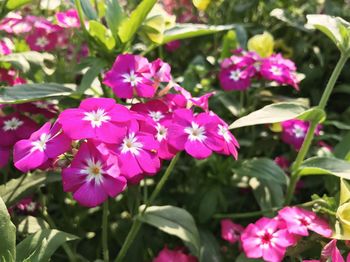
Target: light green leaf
{"points": [[7, 233], [174, 221], [32, 92], [15, 4], [269, 114], [184, 31], [129, 26], [229, 43], [101, 34], [210, 248], [114, 16], [344, 191], [30, 225], [88, 10], [43, 244], [325, 166], [16, 189]]}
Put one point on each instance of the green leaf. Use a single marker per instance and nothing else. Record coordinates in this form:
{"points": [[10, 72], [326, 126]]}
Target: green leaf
{"points": [[23, 60], [229, 43], [30, 225], [32, 92], [269, 114], [210, 248], [184, 31], [41, 245], [88, 10], [129, 26], [16, 189], [174, 221], [15, 4], [325, 166], [90, 75], [342, 149], [267, 181], [7, 233], [344, 191], [101, 34], [208, 204], [336, 28], [114, 16], [337, 124]]}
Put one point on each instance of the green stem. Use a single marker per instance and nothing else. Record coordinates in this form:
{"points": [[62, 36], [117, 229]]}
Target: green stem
{"points": [[137, 223], [295, 176], [105, 214]]}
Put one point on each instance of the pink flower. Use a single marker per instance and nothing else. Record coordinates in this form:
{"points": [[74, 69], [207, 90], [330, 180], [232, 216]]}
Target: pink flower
{"points": [[68, 19], [167, 255], [6, 46], [330, 251], [97, 118], [45, 144], [129, 76], [137, 153], [15, 24], [15, 127], [27, 205], [282, 162], [173, 46], [299, 221], [45, 108], [294, 132], [230, 231], [92, 176], [42, 40], [10, 77], [161, 71], [265, 239], [4, 156], [194, 133]]}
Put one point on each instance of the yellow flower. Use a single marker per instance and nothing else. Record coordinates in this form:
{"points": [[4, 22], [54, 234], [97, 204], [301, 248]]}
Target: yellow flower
{"points": [[262, 44], [201, 4], [276, 127]]}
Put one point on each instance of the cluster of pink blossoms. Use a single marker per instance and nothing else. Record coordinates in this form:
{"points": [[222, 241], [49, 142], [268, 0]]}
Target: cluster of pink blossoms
{"points": [[238, 71], [117, 144], [269, 238]]}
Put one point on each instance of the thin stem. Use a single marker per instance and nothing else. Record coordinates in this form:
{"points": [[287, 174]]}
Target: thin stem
{"points": [[105, 214], [137, 223], [295, 176]]}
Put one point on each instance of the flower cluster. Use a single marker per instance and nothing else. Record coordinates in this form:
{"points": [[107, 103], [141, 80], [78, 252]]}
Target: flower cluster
{"points": [[269, 238], [238, 71], [118, 144]]}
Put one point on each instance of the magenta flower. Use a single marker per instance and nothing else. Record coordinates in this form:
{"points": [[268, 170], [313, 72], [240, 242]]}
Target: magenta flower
{"points": [[45, 144], [194, 133], [264, 239], [42, 40], [173, 46], [167, 255], [294, 132], [15, 127], [4, 156], [27, 205], [129, 76], [14, 23], [45, 108], [92, 176], [299, 221], [161, 71], [282, 162], [330, 251], [68, 19], [6, 46], [157, 110], [230, 231], [233, 78], [96, 118], [10, 77]]}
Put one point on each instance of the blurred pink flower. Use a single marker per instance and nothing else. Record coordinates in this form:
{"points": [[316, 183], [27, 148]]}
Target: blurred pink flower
{"points": [[167, 255], [68, 19], [230, 231]]}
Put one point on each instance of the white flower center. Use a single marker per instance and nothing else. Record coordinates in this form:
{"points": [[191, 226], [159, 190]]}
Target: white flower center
{"points": [[12, 124], [130, 144], [31, 207], [223, 131], [93, 170], [131, 78], [276, 70], [69, 20], [156, 115], [235, 75], [299, 132], [41, 143], [162, 132], [97, 118], [42, 41], [41, 105], [195, 132]]}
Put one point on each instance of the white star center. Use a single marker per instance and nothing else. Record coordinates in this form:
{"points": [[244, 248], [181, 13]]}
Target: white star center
{"points": [[276, 70], [162, 132], [40, 144], [93, 170], [235, 75], [223, 131], [299, 132], [156, 115], [131, 78], [130, 144], [12, 124], [42, 41], [195, 132], [97, 118]]}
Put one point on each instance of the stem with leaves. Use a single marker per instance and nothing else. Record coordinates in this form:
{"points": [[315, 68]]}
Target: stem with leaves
{"points": [[137, 223], [295, 176]]}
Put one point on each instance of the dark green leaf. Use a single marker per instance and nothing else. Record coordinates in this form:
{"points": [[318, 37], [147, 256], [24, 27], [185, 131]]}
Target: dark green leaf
{"points": [[342, 149], [32, 92], [16, 189], [41, 245], [183, 31], [174, 221], [129, 26], [210, 248], [325, 166], [8, 234], [208, 204], [90, 75]]}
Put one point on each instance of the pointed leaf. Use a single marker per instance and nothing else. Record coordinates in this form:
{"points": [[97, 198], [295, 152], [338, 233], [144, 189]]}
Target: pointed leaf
{"points": [[325, 166], [8, 234], [114, 16], [210, 248], [88, 10], [101, 34]]}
